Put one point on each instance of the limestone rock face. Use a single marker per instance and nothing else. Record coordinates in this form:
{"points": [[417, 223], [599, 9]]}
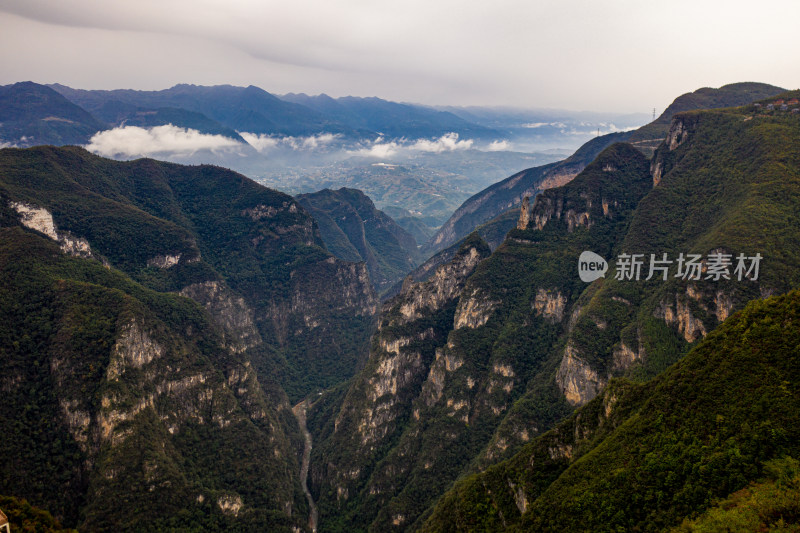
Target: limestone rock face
{"points": [[678, 133], [229, 311], [41, 220], [577, 379], [474, 310], [550, 305], [405, 351], [680, 314], [444, 285], [164, 261], [524, 213]]}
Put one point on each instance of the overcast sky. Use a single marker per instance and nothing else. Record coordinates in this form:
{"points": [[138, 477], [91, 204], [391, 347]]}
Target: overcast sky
{"points": [[614, 55]]}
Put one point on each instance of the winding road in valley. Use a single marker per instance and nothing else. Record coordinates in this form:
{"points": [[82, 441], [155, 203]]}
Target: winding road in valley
{"points": [[299, 411]]}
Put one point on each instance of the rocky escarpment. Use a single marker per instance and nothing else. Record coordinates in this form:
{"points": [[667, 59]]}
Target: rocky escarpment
{"points": [[638, 327], [147, 374], [41, 220], [413, 325], [664, 160], [353, 229], [510, 192], [522, 479], [608, 464], [443, 383], [494, 200], [229, 311], [149, 405], [236, 247]]}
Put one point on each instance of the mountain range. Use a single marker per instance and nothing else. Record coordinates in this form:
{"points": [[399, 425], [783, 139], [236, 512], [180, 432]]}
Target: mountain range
{"points": [[159, 321], [220, 110], [32, 114], [472, 367], [491, 202]]}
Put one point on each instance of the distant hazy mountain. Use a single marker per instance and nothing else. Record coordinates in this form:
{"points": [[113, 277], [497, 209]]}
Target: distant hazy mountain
{"points": [[427, 186], [354, 230], [249, 109], [391, 119], [116, 113], [254, 110], [412, 224], [505, 194], [32, 114]]}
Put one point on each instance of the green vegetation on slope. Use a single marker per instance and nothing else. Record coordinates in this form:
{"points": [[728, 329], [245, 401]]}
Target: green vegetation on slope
{"points": [[23, 517], [222, 227], [727, 181], [499, 352], [646, 458], [354, 230], [494, 200], [731, 95], [769, 505], [123, 410], [530, 341]]}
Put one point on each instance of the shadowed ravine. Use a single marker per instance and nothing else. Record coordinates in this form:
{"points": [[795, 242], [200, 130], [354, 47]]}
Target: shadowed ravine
{"points": [[299, 411]]}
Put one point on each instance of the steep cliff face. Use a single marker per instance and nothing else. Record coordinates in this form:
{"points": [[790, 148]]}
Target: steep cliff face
{"points": [[642, 456], [496, 356], [491, 202], [142, 386], [530, 341], [378, 405], [728, 205], [122, 398], [355, 230], [238, 247]]}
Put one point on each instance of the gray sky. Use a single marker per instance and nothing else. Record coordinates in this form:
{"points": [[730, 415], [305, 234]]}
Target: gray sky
{"points": [[616, 55]]}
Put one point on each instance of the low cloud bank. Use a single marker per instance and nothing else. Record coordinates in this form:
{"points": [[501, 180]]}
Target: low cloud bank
{"points": [[499, 146], [133, 141], [264, 142], [446, 143], [577, 129], [382, 149], [379, 149]]}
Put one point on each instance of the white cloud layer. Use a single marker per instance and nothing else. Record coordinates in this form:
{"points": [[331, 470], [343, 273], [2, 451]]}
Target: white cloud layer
{"points": [[133, 141], [446, 143], [264, 142], [382, 149], [499, 146]]}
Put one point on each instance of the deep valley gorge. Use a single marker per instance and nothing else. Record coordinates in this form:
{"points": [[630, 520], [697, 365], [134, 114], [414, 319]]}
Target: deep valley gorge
{"points": [[183, 348]]}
